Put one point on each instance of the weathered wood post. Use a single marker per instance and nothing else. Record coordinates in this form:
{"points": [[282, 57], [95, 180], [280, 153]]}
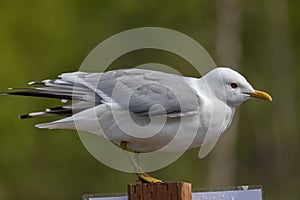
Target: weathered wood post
{"points": [[160, 191]]}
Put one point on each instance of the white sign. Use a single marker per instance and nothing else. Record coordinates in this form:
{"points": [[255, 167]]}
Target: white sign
{"points": [[244, 194]]}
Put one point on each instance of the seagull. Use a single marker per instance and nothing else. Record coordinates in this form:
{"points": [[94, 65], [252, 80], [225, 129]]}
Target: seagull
{"points": [[142, 110]]}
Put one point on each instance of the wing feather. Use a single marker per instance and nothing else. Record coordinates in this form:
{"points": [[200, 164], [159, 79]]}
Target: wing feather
{"points": [[145, 92]]}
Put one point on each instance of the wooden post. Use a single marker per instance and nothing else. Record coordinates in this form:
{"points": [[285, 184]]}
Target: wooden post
{"points": [[160, 191]]}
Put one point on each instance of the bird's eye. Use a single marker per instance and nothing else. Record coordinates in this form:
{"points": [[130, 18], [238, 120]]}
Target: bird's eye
{"points": [[234, 85]]}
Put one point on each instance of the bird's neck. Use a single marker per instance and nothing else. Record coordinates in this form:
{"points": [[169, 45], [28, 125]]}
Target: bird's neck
{"points": [[200, 86]]}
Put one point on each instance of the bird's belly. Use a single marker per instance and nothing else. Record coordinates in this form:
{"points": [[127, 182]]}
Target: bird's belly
{"points": [[175, 134]]}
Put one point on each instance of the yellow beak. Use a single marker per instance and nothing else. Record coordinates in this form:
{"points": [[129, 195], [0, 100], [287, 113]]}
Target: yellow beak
{"points": [[261, 95]]}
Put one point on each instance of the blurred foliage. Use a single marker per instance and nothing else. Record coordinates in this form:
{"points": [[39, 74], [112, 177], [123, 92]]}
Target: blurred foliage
{"points": [[41, 39]]}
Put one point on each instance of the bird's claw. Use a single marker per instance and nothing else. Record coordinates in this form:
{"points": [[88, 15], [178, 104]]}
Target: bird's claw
{"points": [[145, 178]]}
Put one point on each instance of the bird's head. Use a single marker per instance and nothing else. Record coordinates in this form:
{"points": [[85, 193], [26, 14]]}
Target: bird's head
{"points": [[231, 87]]}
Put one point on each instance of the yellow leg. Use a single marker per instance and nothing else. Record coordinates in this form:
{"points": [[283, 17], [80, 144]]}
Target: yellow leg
{"points": [[143, 177], [123, 145]]}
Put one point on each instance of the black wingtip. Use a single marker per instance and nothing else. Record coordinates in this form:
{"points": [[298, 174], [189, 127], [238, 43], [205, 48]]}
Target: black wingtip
{"points": [[26, 116]]}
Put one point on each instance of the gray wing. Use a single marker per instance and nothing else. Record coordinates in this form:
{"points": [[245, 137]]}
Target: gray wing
{"points": [[140, 90]]}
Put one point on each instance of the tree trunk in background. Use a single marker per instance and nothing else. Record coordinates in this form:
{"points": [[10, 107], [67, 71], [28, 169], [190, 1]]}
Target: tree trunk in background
{"points": [[229, 52], [284, 136]]}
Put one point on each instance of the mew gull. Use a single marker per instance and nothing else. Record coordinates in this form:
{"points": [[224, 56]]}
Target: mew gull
{"points": [[120, 102]]}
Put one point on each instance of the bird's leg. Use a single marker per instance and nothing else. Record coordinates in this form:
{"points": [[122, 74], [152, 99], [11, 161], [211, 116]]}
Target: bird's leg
{"points": [[143, 177], [123, 145]]}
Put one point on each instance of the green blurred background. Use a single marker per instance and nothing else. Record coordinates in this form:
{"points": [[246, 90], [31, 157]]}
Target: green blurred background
{"points": [[41, 39]]}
